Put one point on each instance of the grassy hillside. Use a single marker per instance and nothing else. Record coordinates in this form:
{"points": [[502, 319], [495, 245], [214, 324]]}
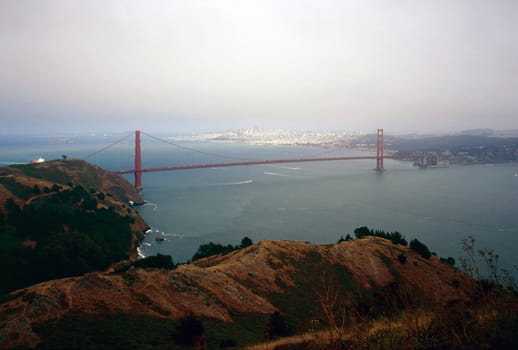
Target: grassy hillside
{"points": [[355, 292], [70, 171]]}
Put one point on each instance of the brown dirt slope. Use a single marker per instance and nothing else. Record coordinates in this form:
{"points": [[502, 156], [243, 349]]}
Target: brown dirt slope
{"points": [[217, 287]]}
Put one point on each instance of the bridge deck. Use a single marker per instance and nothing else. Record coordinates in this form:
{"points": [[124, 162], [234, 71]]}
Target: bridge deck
{"points": [[244, 163]]}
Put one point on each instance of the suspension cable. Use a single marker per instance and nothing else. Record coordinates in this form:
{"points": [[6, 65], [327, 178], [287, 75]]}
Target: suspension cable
{"points": [[108, 146], [191, 149]]}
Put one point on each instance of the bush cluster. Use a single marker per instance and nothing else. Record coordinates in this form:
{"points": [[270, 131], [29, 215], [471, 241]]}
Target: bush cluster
{"points": [[158, 261], [212, 248], [395, 237], [420, 248]]}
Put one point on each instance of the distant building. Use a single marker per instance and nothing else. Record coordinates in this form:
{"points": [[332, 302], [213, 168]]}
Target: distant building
{"points": [[37, 160]]}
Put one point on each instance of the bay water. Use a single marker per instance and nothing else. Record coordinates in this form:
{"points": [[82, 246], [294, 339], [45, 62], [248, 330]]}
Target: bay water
{"points": [[313, 202]]}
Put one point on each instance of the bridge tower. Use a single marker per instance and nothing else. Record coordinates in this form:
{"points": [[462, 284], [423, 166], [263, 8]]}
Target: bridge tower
{"points": [[379, 151], [138, 162]]}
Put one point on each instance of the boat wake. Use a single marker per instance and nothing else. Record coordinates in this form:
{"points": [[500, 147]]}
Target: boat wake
{"points": [[238, 183], [233, 183], [177, 235], [283, 167], [149, 204], [292, 209], [277, 174]]}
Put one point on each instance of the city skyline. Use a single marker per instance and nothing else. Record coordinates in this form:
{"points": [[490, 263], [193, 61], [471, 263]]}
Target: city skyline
{"points": [[409, 66]]}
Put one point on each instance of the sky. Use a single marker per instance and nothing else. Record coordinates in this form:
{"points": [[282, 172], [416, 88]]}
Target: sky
{"points": [[190, 66]]}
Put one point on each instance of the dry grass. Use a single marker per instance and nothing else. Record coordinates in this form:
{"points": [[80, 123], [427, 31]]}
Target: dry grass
{"points": [[242, 281]]}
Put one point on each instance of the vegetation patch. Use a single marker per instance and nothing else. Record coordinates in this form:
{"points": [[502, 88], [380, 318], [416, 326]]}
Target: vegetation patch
{"points": [[110, 331], [53, 174], [420, 248], [71, 237], [156, 261], [301, 305], [245, 329], [211, 248], [16, 188], [395, 237]]}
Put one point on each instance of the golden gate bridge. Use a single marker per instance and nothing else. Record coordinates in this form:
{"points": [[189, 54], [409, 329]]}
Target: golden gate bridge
{"points": [[138, 169]]}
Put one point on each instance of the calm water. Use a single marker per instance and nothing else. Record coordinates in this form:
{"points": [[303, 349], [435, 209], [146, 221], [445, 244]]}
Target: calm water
{"points": [[316, 202]]}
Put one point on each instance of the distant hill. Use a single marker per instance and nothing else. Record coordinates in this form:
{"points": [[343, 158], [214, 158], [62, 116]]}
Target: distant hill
{"points": [[469, 147]]}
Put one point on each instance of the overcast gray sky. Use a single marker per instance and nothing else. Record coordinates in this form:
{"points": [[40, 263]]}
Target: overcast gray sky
{"points": [[404, 65]]}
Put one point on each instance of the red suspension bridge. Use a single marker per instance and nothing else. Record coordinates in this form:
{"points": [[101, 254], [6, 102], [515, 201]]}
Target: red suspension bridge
{"points": [[138, 169]]}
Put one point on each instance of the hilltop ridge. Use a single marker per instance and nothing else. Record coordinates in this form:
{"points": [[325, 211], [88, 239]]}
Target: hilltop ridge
{"points": [[265, 277], [63, 172]]}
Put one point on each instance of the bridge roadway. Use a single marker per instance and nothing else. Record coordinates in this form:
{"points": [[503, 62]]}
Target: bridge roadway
{"points": [[245, 163]]}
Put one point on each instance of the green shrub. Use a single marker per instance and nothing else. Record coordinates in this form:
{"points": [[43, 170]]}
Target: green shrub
{"points": [[189, 332], [158, 261], [347, 238], [276, 326], [36, 190], [449, 260], [227, 343], [394, 237], [246, 242], [420, 248], [212, 248]]}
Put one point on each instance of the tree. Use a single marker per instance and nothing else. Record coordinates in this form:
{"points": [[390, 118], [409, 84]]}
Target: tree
{"points": [[210, 249], [190, 332], [36, 190], [78, 193], [89, 204], [246, 242], [420, 248], [156, 261], [361, 232], [276, 326], [449, 260]]}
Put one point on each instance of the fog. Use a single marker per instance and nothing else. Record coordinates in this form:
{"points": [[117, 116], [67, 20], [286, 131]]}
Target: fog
{"points": [[187, 66]]}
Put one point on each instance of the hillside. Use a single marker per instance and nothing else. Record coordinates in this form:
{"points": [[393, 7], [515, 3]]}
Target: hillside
{"points": [[68, 223], [63, 172], [272, 275], [63, 218]]}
